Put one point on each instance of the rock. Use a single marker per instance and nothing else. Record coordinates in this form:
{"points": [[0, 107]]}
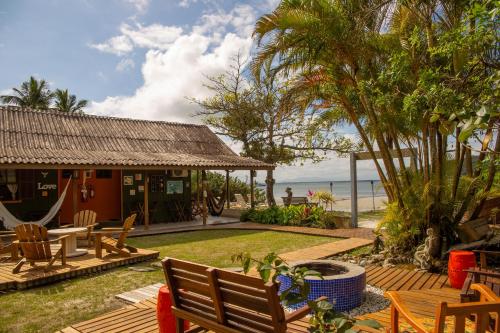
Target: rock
{"points": [[362, 262]]}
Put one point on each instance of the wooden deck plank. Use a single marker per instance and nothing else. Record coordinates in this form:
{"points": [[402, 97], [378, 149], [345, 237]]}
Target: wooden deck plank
{"points": [[76, 266]]}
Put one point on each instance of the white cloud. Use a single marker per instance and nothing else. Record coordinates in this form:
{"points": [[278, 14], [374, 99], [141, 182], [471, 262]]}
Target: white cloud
{"points": [[125, 64], [118, 45], [186, 3], [176, 63], [140, 5]]}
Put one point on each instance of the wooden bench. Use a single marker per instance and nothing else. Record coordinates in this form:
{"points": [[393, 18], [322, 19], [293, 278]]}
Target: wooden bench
{"points": [[482, 274], [227, 302]]}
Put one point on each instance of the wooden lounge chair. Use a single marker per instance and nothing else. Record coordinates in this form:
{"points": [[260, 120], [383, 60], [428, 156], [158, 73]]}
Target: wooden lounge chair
{"points": [[104, 239], [7, 245], [227, 302], [84, 219], [488, 304], [240, 201], [36, 246]]}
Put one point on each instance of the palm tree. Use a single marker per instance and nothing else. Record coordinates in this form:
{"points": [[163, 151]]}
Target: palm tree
{"points": [[32, 93], [66, 102]]}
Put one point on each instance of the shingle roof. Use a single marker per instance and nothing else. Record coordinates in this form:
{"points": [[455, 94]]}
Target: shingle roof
{"points": [[50, 137]]}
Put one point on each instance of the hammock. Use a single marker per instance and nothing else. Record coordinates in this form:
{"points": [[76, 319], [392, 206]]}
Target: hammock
{"points": [[10, 221], [215, 206]]}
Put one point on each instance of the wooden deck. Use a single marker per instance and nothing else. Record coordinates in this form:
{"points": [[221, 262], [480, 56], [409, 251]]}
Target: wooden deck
{"points": [[423, 290], [76, 266]]}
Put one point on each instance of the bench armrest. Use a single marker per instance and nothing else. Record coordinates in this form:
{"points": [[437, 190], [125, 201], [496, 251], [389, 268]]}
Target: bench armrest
{"points": [[483, 272], [302, 312], [486, 293], [402, 310]]}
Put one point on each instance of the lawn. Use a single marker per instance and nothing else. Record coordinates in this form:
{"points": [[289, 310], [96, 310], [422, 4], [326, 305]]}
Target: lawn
{"points": [[56, 306]]}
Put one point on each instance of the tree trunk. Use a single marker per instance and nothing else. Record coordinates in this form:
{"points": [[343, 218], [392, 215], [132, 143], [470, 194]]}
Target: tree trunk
{"points": [[270, 189]]}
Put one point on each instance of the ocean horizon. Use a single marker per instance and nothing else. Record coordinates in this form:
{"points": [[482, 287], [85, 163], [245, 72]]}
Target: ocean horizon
{"points": [[340, 189]]}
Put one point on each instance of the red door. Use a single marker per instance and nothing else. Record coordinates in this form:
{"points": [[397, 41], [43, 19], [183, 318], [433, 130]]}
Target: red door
{"points": [[102, 194]]}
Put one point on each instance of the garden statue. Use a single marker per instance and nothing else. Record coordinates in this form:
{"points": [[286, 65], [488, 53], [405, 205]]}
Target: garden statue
{"points": [[422, 257]]}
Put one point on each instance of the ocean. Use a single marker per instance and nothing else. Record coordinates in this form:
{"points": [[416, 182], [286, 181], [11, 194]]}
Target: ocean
{"points": [[341, 189]]}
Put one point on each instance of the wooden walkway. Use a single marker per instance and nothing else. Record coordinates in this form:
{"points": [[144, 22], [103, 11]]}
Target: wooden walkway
{"points": [[423, 290], [76, 266]]}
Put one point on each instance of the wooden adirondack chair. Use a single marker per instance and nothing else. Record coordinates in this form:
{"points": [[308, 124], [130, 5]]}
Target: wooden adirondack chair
{"points": [[8, 246], [489, 276], [110, 244], [36, 246], [84, 219], [227, 302], [488, 304]]}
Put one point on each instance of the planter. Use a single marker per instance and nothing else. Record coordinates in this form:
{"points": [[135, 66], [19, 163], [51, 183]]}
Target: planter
{"points": [[342, 222]]}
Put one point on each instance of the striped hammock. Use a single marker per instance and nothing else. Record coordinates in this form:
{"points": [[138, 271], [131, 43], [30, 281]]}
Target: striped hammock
{"points": [[10, 221]]}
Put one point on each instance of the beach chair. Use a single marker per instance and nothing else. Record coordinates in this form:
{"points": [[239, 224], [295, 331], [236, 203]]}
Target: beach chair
{"points": [[84, 219], [240, 201], [227, 302], [104, 239], [488, 305], [35, 245], [7, 245]]}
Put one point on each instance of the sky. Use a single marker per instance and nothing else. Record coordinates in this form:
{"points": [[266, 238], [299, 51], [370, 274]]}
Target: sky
{"points": [[140, 58]]}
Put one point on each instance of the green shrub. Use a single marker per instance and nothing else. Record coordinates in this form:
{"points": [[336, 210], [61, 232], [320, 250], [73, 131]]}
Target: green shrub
{"points": [[288, 216], [327, 221]]}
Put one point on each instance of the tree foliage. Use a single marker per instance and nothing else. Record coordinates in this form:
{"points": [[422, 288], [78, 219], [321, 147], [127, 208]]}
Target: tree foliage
{"points": [[410, 74], [250, 112]]}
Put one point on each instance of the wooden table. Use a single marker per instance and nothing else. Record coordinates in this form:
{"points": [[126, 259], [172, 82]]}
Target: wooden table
{"points": [[71, 250]]}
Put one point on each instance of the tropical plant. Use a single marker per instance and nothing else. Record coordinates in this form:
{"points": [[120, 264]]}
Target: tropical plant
{"points": [[323, 317], [32, 93], [65, 102], [421, 75], [300, 215]]}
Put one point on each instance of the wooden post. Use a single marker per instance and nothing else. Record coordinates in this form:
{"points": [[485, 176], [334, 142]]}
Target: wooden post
{"points": [[252, 191], [204, 194], [354, 192], [121, 195], [74, 187], [228, 195], [146, 201]]}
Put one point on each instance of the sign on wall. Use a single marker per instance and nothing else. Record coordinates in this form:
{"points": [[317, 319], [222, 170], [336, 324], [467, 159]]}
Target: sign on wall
{"points": [[175, 187]]}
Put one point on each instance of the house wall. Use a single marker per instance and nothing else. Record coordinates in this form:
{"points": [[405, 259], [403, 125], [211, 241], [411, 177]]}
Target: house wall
{"points": [[164, 206], [106, 199], [37, 192]]}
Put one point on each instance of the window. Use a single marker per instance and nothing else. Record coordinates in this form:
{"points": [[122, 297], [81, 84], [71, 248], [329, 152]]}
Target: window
{"points": [[8, 184], [104, 174], [157, 183]]}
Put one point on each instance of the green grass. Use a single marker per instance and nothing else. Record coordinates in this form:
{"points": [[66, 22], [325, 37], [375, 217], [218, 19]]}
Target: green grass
{"points": [[56, 306]]}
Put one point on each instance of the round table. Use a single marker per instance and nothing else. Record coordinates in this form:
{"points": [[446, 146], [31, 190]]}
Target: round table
{"points": [[71, 250]]}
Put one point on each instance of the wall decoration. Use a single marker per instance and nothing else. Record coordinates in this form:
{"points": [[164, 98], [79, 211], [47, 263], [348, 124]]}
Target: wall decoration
{"points": [[128, 180], [45, 194], [141, 188], [132, 192], [175, 187], [138, 176]]}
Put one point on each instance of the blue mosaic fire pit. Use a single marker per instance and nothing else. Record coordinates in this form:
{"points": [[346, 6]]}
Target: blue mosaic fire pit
{"points": [[343, 283]]}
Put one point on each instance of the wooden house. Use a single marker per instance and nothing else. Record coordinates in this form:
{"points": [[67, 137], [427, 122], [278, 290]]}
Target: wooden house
{"points": [[116, 165]]}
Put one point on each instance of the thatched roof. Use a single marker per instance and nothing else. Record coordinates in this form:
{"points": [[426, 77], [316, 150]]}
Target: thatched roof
{"points": [[52, 138]]}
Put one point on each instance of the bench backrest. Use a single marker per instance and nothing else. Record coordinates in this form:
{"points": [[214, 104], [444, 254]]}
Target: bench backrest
{"points": [[84, 218], [481, 311], [33, 240], [223, 301]]}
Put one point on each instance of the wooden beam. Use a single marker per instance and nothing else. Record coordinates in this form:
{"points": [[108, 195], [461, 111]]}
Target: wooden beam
{"points": [[146, 201], [204, 209], [127, 167], [406, 152], [252, 190], [228, 194]]}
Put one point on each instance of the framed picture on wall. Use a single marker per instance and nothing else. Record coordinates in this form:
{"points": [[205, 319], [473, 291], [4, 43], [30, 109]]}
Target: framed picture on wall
{"points": [[138, 176], [175, 187], [128, 180]]}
